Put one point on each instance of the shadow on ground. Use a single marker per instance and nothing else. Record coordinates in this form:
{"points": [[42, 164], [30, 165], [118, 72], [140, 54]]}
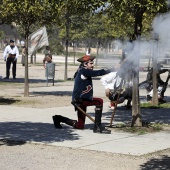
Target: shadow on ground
{"points": [[7, 101], [161, 115], [162, 163], [21, 80], [157, 115], [53, 93], [34, 132], [11, 142]]}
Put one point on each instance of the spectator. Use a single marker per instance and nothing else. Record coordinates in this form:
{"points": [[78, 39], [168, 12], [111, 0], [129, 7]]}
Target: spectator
{"points": [[11, 54], [23, 55], [47, 59], [88, 52], [47, 50], [160, 84]]}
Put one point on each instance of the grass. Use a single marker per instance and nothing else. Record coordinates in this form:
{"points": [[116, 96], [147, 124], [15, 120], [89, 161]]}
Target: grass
{"points": [[78, 54], [138, 130], [156, 127], [26, 102], [150, 128], [9, 83], [150, 106], [146, 127]]}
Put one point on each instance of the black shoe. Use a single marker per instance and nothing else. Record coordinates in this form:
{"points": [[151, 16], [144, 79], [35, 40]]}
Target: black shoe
{"points": [[6, 77], [128, 106], [14, 77], [56, 120], [101, 129], [161, 101], [148, 98]]}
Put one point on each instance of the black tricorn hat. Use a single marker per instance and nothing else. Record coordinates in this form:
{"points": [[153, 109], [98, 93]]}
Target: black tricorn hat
{"points": [[11, 41], [86, 58]]}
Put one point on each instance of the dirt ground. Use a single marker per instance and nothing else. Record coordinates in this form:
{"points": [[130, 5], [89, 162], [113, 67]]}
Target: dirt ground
{"points": [[15, 156], [12, 91], [18, 156], [33, 101]]}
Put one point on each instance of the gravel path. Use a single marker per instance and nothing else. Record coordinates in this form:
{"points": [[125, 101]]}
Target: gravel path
{"points": [[35, 157]]}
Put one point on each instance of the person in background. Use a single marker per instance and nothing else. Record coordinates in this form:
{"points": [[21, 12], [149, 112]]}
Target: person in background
{"points": [[83, 96], [23, 55], [47, 50], [11, 54], [47, 59], [160, 84], [6, 43], [88, 52]]}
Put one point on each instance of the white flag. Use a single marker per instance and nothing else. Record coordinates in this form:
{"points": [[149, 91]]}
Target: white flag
{"points": [[37, 40]]}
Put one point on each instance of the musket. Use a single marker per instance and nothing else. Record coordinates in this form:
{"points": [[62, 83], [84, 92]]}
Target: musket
{"points": [[114, 111], [142, 83], [166, 84], [76, 105], [125, 60]]}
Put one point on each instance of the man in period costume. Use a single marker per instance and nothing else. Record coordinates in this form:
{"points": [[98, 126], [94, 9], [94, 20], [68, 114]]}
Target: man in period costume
{"points": [[83, 95], [11, 54]]}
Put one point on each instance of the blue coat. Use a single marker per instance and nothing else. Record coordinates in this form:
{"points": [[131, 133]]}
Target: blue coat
{"points": [[83, 85]]}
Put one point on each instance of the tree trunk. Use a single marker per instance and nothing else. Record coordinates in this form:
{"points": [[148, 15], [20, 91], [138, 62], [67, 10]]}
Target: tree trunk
{"points": [[154, 74], [35, 58], [26, 88], [31, 58], [67, 43], [97, 53], [136, 116], [74, 49]]}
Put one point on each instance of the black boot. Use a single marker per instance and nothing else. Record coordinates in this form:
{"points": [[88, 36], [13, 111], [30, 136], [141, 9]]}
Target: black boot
{"points": [[161, 101], [58, 119], [148, 98], [69, 121], [98, 126], [129, 106]]}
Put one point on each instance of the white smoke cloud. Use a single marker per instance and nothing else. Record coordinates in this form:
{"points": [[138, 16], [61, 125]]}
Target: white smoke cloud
{"points": [[161, 27], [157, 47]]}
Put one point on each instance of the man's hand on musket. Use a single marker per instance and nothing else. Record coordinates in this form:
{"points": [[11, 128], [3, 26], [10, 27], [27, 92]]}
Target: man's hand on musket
{"points": [[77, 101]]}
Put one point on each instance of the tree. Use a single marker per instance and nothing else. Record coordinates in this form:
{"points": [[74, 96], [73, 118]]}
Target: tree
{"points": [[71, 8], [134, 13], [1, 34], [26, 13], [101, 30]]}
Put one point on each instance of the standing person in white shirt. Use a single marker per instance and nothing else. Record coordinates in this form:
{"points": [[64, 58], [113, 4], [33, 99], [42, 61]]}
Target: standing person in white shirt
{"points": [[88, 52], [11, 54]]}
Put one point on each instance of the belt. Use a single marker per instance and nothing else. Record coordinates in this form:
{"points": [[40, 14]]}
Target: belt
{"points": [[11, 55]]}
